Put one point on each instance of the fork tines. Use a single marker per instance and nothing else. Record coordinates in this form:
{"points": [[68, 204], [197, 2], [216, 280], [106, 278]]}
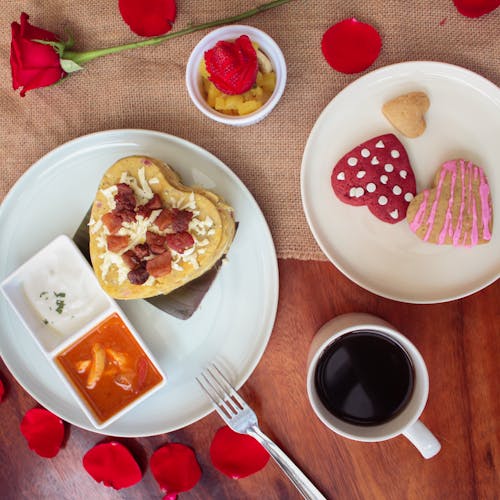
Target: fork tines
{"points": [[218, 388]]}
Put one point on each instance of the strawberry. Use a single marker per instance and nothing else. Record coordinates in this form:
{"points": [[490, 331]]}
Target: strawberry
{"points": [[232, 66]]}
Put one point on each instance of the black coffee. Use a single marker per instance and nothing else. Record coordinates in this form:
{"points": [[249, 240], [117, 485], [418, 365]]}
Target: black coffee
{"points": [[364, 378]]}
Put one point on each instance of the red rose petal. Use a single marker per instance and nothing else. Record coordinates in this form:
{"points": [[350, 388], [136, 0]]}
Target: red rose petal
{"points": [[44, 432], [2, 390], [148, 17], [112, 464], [351, 46], [237, 455], [476, 8], [232, 66], [175, 468]]}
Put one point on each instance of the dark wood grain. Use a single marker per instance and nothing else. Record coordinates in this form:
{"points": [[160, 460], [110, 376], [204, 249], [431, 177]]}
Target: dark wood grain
{"points": [[459, 341]]}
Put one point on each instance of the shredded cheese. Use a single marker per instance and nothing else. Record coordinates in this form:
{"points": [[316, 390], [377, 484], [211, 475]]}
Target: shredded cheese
{"points": [[109, 194], [143, 192]]}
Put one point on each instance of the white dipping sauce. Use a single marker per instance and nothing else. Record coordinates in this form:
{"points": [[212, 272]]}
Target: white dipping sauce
{"points": [[63, 292]]}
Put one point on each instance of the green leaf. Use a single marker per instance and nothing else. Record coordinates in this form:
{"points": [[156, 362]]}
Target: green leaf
{"points": [[70, 66], [70, 42], [58, 46]]}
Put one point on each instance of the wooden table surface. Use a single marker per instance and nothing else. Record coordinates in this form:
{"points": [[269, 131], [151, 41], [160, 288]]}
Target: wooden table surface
{"points": [[459, 341]]}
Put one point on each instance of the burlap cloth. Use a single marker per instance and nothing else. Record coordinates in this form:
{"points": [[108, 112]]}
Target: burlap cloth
{"points": [[145, 88]]}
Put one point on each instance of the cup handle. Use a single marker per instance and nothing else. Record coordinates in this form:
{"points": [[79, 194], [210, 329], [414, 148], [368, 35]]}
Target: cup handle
{"points": [[423, 439]]}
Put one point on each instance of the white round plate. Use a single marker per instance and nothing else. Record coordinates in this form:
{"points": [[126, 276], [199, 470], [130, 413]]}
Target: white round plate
{"points": [[463, 122], [232, 324]]}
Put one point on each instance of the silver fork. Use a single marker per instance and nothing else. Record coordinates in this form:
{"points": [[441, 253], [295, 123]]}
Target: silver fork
{"points": [[242, 419]]}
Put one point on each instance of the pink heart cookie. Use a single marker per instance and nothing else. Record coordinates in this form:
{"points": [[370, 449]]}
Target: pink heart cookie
{"points": [[457, 210], [377, 174]]}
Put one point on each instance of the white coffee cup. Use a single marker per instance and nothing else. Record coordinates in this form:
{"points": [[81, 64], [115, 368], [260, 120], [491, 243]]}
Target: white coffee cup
{"points": [[406, 422]]}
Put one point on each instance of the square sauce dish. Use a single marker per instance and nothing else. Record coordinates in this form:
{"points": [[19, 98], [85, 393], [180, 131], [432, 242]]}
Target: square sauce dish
{"points": [[97, 352]]}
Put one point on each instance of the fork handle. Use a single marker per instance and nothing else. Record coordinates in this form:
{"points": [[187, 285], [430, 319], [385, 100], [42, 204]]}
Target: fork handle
{"points": [[296, 476]]}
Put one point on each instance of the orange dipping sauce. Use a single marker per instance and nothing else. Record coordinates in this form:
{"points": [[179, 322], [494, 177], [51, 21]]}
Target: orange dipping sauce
{"points": [[109, 368]]}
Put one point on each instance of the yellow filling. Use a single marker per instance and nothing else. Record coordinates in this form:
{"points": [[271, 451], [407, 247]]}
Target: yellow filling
{"points": [[240, 104]]}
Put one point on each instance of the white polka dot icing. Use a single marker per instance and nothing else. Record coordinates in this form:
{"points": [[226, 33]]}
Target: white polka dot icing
{"points": [[375, 161], [394, 214], [370, 187], [384, 179], [341, 176], [380, 144], [403, 174], [382, 200], [397, 190], [365, 153], [360, 174], [388, 167], [395, 153], [356, 192], [408, 197], [352, 162]]}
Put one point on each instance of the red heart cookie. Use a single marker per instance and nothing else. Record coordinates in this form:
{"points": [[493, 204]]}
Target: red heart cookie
{"points": [[377, 174]]}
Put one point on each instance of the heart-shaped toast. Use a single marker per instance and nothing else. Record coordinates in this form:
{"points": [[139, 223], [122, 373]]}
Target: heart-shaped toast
{"points": [[150, 234], [406, 113], [377, 174], [457, 210]]}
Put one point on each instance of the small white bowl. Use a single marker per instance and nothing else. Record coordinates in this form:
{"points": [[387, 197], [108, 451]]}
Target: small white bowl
{"points": [[231, 32], [59, 275]]}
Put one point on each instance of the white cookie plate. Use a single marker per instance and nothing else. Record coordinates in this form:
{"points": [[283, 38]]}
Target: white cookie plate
{"points": [[388, 259]]}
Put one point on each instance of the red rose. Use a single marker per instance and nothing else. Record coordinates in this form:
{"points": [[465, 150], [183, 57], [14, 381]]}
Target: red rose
{"points": [[33, 64]]}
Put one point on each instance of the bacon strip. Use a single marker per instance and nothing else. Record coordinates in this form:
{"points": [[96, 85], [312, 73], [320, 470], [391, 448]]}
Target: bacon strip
{"points": [[160, 265], [116, 242], [180, 242]]}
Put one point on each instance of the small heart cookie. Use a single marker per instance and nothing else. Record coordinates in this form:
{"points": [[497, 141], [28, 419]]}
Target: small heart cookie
{"points": [[378, 174], [406, 113], [457, 210]]}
